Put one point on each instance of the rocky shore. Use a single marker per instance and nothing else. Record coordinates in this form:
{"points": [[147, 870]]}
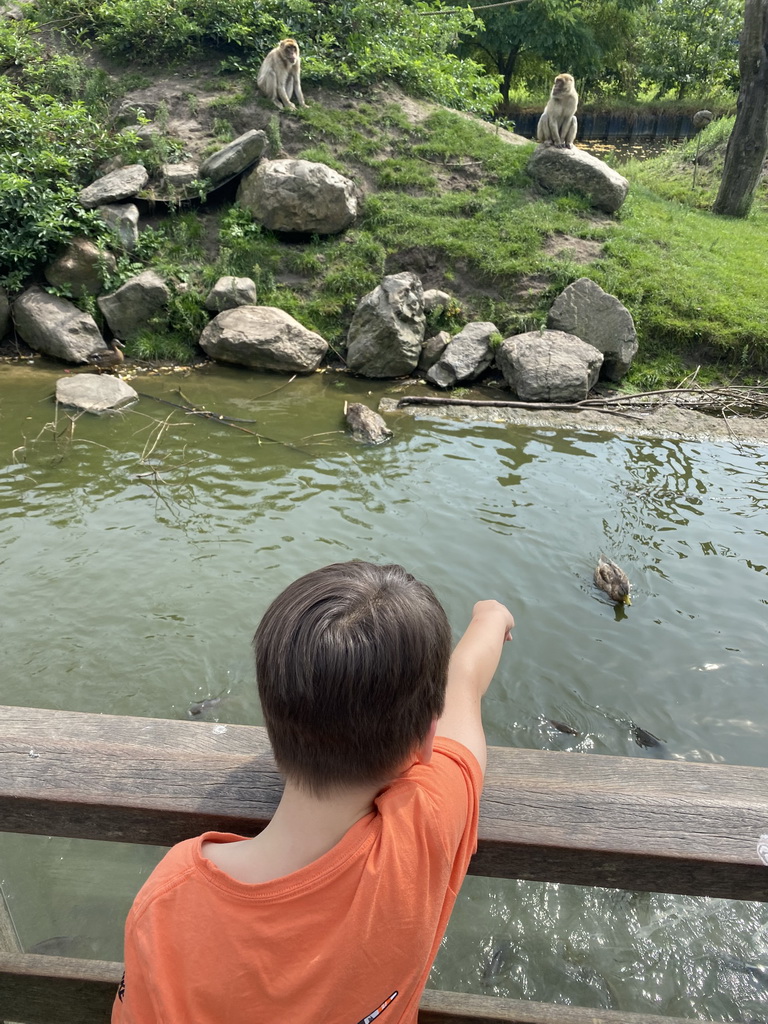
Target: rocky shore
{"points": [[667, 421]]}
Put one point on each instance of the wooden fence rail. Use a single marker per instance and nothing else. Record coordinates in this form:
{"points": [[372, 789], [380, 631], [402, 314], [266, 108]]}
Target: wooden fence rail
{"points": [[628, 823]]}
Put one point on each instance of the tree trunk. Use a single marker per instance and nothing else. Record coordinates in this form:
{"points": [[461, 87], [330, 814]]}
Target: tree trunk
{"points": [[748, 144], [507, 69]]}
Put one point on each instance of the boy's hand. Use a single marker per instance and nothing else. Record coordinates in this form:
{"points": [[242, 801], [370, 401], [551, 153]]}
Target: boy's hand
{"points": [[473, 663], [492, 610]]}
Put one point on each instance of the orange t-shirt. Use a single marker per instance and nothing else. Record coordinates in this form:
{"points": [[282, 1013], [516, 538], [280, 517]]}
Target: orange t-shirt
{"points": [[348, 939]]}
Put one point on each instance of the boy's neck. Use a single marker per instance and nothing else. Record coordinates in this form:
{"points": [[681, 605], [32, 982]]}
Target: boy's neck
{"points": [[301, 815], [303, 828]]}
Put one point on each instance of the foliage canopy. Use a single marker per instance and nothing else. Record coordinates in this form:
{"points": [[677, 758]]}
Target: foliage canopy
{"points": [[343, 41]]}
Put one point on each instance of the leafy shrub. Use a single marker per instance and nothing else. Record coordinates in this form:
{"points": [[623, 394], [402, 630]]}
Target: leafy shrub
{"points": [[47, 149], [343, 41]]}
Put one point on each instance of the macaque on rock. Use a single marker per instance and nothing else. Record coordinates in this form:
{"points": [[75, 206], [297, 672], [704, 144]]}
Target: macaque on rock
{"points": [[557, 125]]}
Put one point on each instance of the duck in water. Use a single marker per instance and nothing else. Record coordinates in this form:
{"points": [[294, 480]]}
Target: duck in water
{"points": [[613, 580], [108, 358]]}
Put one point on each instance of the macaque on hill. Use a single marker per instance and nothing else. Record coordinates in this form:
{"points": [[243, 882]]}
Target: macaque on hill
{"points": [[557, 125], [280, 75]]}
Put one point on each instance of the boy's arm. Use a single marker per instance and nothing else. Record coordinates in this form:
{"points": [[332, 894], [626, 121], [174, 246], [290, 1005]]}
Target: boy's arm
{"points": [[473, 663]]}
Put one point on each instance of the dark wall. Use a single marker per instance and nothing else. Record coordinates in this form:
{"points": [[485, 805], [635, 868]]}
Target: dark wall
{"points": [[613, 125]]}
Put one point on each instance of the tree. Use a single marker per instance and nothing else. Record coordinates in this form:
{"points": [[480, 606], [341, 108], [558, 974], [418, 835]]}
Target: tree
{"points": [[551, 30], [748, 144], [690, 44], [542, 37]]}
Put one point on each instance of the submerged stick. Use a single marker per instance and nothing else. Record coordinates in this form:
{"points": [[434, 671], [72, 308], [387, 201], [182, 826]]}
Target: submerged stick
{"points": [[497, 403], [196, 410]]}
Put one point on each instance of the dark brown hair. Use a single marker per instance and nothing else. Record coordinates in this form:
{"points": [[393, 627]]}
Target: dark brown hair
{"points": [[351, 663]]}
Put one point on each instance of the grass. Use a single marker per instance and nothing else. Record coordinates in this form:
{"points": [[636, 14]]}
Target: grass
{"points": [[693, 282], [449, 194]]}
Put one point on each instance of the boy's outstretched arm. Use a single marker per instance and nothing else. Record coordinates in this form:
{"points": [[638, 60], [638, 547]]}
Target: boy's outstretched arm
{"points": [[473, 663]]}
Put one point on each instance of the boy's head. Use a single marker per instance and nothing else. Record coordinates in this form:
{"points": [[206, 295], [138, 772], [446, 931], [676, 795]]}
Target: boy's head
{"points": [[352, 663]]}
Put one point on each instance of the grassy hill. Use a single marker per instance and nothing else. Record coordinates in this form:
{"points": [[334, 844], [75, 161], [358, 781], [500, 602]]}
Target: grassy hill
{"points": [[445, 195]]}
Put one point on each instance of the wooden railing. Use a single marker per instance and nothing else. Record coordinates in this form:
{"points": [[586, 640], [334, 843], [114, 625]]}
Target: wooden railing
{"points": [[628, 823]]}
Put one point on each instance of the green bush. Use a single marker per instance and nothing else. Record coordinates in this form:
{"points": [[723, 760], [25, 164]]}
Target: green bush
{"points": [[47, 149], [343, 41]]}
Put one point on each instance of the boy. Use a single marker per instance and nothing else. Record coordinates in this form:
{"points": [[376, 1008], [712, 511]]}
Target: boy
{"points": [[334, 913]]}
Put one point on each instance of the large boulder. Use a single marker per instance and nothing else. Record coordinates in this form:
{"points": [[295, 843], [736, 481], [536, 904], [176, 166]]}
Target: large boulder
{"points": [[434, 299], [574, 170], [120, 184], [549, 366], [387, 328], [230, 292], [432, 349], [56, 327], [94, 392], [80, 268], [129, 310], [123, 220], [234, 158], [263, 338], [465, 357], [584, 309], [179, 176], [299, 196]]}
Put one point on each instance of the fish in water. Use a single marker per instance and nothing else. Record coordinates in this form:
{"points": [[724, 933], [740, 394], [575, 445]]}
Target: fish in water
{"points": [[643, 738], [562, 727], [77, 946], [199, 706], [613, 580], [493, 967]]}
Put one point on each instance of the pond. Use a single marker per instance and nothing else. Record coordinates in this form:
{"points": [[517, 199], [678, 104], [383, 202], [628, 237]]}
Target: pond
{"points": [[139, 550]]}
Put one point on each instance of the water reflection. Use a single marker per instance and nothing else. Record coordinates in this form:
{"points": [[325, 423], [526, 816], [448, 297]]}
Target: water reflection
{"points": [[138, 552], [602, 948]]}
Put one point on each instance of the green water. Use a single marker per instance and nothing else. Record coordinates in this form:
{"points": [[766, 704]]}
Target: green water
{"points": [[138, 551]]}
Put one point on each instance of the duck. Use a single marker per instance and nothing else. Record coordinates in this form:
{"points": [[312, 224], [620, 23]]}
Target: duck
{"points": [[107, 358], [613, 580]]}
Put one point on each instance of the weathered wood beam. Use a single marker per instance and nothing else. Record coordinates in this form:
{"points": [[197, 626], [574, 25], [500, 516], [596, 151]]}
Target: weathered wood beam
{"points": [[631, 823], [43, 989], [56, 990]]}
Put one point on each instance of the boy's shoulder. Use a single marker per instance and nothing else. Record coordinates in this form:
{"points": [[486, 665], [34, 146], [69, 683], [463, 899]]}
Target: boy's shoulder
{"points": [[177, 866], [449, 755], [445, 792]]}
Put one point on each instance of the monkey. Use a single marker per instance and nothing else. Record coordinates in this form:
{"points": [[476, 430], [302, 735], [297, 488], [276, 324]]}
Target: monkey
{"points": [[557, 125], [280, 75]]}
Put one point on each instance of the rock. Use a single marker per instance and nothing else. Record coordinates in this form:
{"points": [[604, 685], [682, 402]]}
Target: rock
{"points": [[56, 326], [432, 349], [129, 310], [299, 195], [435, 299], [465, 357], [549, 366], [263, 338], [5, 313], [12, 12], [573, 170], [387, 328], [94, 392], [365, 424], [81, 268], [124, 221], [584, 309], [234, 157], [230, 292], [120, 184], [147, 134], [702, 118], [179, 175]]}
